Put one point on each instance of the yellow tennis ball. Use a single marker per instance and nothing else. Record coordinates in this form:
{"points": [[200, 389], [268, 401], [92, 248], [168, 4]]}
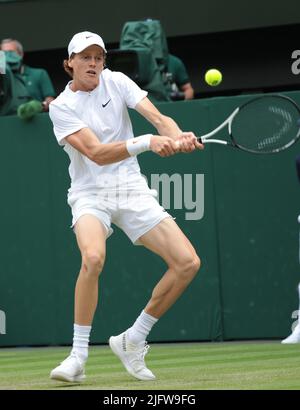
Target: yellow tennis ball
{"points": [[213, 77]]}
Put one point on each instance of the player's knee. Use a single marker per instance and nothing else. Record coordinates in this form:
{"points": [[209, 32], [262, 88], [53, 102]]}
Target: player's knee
{"points": [[189, 267], [194, 265], [93, 262]]}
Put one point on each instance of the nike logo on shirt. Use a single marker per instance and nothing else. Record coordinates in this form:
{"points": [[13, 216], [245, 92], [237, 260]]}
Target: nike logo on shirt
{"points": [[104, 105]]}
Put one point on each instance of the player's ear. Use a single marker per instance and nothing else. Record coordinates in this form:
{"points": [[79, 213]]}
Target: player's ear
{"points": [[70, 60], [67, 67]]}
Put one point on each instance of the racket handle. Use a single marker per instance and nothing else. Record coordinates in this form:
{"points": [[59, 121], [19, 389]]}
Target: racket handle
{"points": [[199, 139]]}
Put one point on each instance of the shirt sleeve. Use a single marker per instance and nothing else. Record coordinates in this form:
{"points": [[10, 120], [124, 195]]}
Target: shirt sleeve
{"points": [[130, 91], [65, 122], [46, 85]]}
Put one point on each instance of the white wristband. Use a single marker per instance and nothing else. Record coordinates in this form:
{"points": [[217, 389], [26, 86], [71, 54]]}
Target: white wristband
{"points": [[139, 144]]}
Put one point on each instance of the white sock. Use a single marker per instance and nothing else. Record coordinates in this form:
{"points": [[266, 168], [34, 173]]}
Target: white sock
{"points": [[81, 341], [138, 332]]}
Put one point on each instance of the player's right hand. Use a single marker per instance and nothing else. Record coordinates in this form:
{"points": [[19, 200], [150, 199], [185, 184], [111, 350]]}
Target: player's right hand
{"points": [[188, 142], [163, 146]]}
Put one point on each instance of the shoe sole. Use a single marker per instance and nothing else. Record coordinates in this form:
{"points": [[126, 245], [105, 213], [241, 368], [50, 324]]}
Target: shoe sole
{"points": [[63, 377], [118, 353]]}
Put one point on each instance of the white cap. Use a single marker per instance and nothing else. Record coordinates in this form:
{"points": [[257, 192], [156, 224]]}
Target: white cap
{"points": [[81, 41]]}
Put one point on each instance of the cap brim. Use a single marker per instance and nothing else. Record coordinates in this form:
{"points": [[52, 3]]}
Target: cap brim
{"points": [[86, 45]]}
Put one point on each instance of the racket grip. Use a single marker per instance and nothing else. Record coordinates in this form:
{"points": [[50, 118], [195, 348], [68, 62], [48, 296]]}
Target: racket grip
{"points": [[198, 139]]}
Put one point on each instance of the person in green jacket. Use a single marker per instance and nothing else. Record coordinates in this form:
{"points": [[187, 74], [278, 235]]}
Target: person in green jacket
{"points": [[30, 83], [180, 78]]}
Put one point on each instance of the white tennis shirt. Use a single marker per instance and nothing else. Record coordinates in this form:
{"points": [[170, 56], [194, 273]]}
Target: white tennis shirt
{"points": [[104, 111]]}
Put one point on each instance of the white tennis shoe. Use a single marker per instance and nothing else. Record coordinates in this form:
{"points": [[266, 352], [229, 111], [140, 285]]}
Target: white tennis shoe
{"points": [[294, 337], [132, 356], [70, 370]]}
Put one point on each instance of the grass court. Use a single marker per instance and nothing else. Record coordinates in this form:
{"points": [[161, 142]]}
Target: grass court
{"points": [[183, 366]]}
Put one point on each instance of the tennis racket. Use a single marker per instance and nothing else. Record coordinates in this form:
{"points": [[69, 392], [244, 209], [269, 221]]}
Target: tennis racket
{"points": [[264, 125]]}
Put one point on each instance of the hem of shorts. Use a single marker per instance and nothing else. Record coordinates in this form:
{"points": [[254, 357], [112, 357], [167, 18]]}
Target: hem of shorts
{"points": [[109, 231], [157, 221]]}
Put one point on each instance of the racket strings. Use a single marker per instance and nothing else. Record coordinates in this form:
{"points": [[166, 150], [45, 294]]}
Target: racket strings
{"points": [[279, 135], [267, 124]]}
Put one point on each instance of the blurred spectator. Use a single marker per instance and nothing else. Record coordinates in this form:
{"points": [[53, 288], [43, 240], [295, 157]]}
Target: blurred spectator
{"points": [[180, 79], [28, 83]]}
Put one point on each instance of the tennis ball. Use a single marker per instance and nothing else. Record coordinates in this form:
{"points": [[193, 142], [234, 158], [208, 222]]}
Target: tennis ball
{"points": [[213, 77]]}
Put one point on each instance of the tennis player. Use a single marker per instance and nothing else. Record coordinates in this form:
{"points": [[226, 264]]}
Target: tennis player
{"points": [[294, 337], [91, 122]]}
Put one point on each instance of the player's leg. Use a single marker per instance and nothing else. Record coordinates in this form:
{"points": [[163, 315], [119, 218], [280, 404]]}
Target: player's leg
{"points": [[294, 337], [91, 237], [167, 240]]}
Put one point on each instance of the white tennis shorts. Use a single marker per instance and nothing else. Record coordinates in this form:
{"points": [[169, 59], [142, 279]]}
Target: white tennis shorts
{"points": [[133, 211]]}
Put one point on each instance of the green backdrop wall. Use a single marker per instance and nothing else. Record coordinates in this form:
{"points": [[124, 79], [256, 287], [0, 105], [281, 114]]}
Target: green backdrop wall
{"points": [[247, 240], [69, 17]]}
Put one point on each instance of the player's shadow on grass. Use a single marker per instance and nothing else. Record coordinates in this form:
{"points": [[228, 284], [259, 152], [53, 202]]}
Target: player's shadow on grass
{"points": [[67, 385]]}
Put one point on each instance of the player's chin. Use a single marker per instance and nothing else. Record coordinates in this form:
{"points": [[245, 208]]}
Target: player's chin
{"points": [[92, 79]]}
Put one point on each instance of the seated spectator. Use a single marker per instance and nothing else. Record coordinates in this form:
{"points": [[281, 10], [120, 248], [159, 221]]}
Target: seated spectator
{"points": [[2, 62], [180, 80], [32, 83]]}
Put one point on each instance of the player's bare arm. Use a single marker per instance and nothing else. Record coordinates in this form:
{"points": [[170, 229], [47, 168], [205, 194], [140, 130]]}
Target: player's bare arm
{"points": [[167, 126], [86, 142], [164, 124]]}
